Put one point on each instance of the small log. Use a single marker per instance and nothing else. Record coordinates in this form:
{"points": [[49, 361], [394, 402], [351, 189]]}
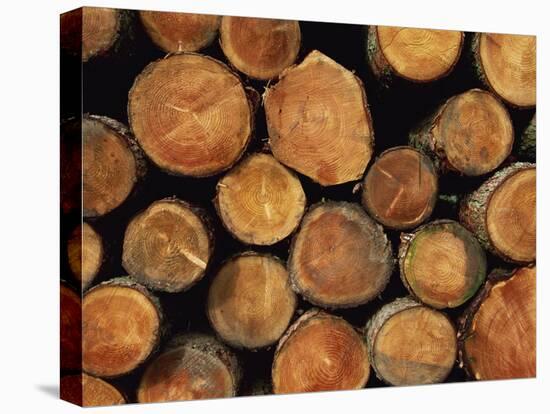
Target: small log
{"points": [[502, 213], [87, 391], [180, 32], [70, 321], [340, 257], [121, 327], [416, 55], [260, 201], [194, 367], [85, 254], [497, 335], [441, 264], [400, 188], [320, 352], [411, 344], [471, 133], [190, 114], [168, 246], [112, 164], [507, 65], [260, 48], [250, 302], [527, 148], [318, 121]]}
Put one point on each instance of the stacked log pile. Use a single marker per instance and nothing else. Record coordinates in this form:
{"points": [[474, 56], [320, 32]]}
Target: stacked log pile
{"points": [[262, 210]]}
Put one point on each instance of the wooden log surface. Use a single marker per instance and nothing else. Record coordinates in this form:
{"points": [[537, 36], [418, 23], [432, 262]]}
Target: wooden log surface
{"points": [[70, 328], [85, 254], [88, 391]]}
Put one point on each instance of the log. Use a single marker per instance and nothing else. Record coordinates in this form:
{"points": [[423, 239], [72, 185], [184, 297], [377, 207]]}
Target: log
{"points": [[70, 163], [250, 302], [190, 114], [471, 134], [340, 258], [411, 344], [320, 352], [527, 148], [260, 201], [70, 321], [400, 188], [85, 254], [87, 391], [415, 55], [260, 48], [497, 334], [441, 264], [180, 32], [502, 213], [121, 327], [168, 246], [318, 121], [194, 367], [507, 65], [112, 165]]}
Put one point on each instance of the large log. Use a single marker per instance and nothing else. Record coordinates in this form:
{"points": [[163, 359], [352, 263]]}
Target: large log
{"points": [[70, 326], [441, 264], [320, 352], [318, 121], [471, 133], [85, 254], [502, 213], [340, 257], [411, 344], [88, 391], [190, 114]]}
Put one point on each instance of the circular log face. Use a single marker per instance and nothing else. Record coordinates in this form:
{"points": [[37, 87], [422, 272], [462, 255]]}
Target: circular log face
{"points": [[190, 114], [167, 247], [108, 168], [70, 329], [260, 201], [320, 352], [85, 253], [250, 302], [511, 217], [475, 132], [510, 66], [318, 121], [415, 346], [340, 257], [420, 55], [443, 264], [400, 189], [120, 328], [89, 391], [501, 340], [180, 32], [260, 48]]}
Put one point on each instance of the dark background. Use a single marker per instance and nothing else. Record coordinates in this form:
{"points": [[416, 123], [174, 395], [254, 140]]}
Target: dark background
{"points": [[105, 86]]}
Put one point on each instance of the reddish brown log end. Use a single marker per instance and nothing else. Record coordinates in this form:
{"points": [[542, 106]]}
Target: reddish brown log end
{"points": [[88, 391], [70, 329], [85, 254]]}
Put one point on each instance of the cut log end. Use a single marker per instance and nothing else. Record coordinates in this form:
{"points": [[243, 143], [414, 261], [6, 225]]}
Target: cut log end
{"points": [[260, 48], [85, 254], [190, 114], [320, 352], [120, 327], [70, 329], [498, 332], [195, 367], [88, 391], [168, 246], [442, 264], [250, 302], [340, 257], [328, 140], [411, 344], [180, 32], [400, 189], [260, 201]]}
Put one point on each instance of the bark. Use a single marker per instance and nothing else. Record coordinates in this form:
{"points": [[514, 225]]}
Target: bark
{"points": [[527, 148]]}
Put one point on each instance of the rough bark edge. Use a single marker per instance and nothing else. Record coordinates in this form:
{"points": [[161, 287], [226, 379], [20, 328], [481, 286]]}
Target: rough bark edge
{"points": [[293, 274], [431, 166], [250, 98], [272, 134], [250, 253], [230, 227], [465, 320], [406, 242], [207, 226], [527, 147], [473, 207], [128, 282]]}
